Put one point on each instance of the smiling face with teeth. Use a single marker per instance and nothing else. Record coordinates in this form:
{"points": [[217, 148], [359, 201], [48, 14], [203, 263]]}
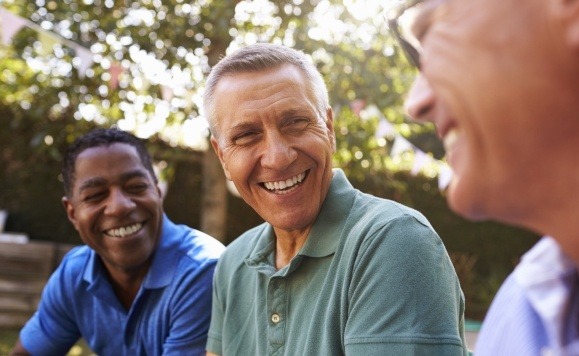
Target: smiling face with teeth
{"points": [[274, 146], [501, 88], [116, 207]]}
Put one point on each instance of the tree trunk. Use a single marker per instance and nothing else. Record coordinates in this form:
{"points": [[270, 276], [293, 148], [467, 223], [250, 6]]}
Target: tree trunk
{"points": [[213, 197]]}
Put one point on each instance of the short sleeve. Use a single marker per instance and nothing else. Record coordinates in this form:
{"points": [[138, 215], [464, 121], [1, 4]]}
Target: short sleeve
{"points": [[52, 330], [405, 297], [217, 314]]}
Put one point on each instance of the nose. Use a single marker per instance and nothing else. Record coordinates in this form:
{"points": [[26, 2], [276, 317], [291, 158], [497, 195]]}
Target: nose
{"points": [[119, 203], [420, 101], [278, 152]]}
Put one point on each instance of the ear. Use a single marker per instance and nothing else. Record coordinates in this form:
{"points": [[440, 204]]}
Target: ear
{"points": [[330, 126], [217, 149], [70, 212]]}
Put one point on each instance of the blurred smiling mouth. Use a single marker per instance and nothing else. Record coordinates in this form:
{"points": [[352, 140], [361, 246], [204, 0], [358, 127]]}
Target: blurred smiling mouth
{"points": [[124, 231], [285, 186]]}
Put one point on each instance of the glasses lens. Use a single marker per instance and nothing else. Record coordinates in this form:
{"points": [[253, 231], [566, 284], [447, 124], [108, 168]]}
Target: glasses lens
{"points": [[394, 22]]}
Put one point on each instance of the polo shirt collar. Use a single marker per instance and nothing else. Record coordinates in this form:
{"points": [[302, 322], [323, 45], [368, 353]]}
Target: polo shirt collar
{"points": [[163, 266], [323, 238]]}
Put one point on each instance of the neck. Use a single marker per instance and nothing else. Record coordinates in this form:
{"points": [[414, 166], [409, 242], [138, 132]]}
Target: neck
{"points": [[288, 244], [126, 284]]}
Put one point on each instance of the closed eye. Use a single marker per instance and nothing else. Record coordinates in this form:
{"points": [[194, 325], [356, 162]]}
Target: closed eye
{"points": [[246, 137], [297, 123], [93, 197]]}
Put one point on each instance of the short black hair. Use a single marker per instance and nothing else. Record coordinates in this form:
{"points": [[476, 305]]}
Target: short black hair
{"points": [[96, 138]]}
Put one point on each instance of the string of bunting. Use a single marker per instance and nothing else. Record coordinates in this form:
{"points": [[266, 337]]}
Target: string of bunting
{"points": [[401, 145], [10, 24]]}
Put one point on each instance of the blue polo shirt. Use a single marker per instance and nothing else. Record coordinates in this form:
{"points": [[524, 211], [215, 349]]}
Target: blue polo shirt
{"points": [[169, 316]]}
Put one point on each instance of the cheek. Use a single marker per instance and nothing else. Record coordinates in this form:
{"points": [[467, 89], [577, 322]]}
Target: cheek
{"points": [[237, 165]]}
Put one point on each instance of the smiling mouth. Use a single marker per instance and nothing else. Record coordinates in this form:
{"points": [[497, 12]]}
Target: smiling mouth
{"points": [[124, 231], [285, 186]]}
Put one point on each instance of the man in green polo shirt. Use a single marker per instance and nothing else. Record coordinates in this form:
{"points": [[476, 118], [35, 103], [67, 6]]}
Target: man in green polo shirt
{"points": [[333, 271]]}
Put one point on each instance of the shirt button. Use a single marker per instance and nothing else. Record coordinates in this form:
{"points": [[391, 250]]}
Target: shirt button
{"points": [[275, 318]]}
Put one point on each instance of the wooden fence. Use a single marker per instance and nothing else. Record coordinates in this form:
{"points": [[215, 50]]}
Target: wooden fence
{"points": [[24, 269]]}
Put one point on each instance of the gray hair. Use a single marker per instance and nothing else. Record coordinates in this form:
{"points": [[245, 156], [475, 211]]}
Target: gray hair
{"points": [[259, 57]]}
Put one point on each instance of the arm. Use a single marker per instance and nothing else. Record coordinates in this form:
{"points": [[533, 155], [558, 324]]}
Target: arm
{"points": [[405, 297], [19, 350]]}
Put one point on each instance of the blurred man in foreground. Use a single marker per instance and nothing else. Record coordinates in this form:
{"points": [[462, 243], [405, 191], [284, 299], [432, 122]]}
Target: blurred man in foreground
{"points": [[333, 271], [141, 285], [500, 79]]}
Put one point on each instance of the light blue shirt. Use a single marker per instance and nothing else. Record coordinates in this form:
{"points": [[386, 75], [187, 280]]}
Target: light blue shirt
{"points": [[169, 316], [536, 311]]}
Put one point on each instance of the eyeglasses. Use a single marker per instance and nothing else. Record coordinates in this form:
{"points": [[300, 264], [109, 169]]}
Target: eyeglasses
{"points": [[411, 52]]}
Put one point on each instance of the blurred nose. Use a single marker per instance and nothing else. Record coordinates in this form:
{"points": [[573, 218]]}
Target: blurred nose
{"points": [[278, 152], [420, 101], [119, 203]]}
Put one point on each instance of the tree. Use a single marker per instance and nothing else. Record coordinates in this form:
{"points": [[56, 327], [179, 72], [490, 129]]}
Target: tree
{"points": [[141, 65], [150, 60]]}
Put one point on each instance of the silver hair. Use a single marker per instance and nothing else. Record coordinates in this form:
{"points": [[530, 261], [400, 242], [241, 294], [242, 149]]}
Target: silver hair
{"points": [[259, 57]]}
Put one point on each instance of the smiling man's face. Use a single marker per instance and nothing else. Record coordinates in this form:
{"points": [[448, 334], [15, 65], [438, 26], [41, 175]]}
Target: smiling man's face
{"points": [[274, 145], [116, 206]]}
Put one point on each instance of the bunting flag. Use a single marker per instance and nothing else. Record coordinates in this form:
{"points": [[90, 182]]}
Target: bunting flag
{"points": [[444, 176], [400, 146], [47, 42], [10, 24], [385, 129], [421, 159], [166, 93], [86, 60], [115, 71]]}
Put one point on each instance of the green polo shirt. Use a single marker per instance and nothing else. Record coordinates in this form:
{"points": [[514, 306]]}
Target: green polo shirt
{"points": [[373, 278]]}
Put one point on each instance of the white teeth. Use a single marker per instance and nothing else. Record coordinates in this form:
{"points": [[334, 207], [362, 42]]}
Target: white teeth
{"points": [[285, 184], [125, 230], [450, 139]]}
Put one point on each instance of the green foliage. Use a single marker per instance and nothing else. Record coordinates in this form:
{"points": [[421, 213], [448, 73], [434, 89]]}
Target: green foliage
{"points": [[45, 103]]}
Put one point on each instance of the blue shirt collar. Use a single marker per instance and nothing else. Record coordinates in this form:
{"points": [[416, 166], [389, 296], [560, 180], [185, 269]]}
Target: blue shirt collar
{"points": [[163, 266]]}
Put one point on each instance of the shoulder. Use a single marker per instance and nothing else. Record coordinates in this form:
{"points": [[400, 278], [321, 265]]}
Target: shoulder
{"points": [[194, 244], [511, 325], [377, 220], [384, 211], [75, 260]]}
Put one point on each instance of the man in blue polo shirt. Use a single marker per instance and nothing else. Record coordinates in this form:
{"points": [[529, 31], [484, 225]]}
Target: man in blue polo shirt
{"points": [[141, 285], [333, 271]]}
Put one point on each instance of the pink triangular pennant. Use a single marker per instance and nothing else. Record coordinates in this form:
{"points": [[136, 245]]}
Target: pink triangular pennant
{"points": [[10, 24], [115, 71], [166, 93]]}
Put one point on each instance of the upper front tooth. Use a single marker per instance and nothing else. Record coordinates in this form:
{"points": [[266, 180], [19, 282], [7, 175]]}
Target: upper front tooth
{"points": [[285, 184], [450, 138]]}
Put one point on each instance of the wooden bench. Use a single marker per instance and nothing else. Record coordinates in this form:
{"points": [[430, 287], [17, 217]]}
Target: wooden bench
{"points": [[24, 270]]}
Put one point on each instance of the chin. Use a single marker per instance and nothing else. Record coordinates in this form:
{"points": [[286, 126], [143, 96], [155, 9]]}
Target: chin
{"points": [[466, 205]]}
